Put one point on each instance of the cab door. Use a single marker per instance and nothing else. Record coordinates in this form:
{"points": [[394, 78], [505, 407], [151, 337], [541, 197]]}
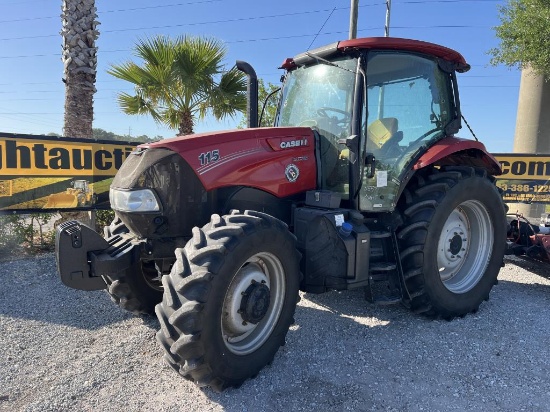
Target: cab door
{"points": [[409, 104]]}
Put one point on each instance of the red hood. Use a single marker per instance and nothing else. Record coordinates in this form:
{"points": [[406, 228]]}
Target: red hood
{"points": [[278, 160], [184, 143]]}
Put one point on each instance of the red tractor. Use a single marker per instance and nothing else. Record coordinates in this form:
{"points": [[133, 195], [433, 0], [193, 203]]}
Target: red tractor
{"points": [[361, 183]]}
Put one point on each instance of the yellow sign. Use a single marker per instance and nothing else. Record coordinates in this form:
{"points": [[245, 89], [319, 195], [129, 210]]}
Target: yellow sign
{"points": [[55, 157], [525, 178], [524, 166], [42, 172]]}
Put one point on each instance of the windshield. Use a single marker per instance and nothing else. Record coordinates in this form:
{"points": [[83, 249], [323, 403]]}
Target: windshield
{"points": [[80, 184], [322, 97], [319, 96]]}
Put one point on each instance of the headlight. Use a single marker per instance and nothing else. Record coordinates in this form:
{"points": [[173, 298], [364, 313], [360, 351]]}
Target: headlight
{"points": [[133, 200]]}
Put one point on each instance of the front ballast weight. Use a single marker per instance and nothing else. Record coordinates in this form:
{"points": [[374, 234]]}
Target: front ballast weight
{"points": [[84, 257]]}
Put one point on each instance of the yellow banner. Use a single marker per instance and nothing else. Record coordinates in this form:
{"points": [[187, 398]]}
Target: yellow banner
{"points": [[524, 166], [61, 173], [26, 156]]}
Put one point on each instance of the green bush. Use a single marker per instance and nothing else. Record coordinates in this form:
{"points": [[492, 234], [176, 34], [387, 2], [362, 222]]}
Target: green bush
{"points": [[103, 218], [30, 233]]}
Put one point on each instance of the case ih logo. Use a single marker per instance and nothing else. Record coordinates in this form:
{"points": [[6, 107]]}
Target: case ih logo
{"points": [[292, 172], [293, 143]]}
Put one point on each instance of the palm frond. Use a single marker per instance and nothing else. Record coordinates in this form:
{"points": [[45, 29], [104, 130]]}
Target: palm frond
{"points": [[138, 105], [180, 76], [156, 51], [198, 60], [172, 118], [229, 97]]}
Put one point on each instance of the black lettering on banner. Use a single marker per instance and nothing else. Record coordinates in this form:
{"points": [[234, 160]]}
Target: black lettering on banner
{"points": [[39, 157], [118, 158], [79, 163], [542, 168], [519, 168], [15, 153], [505, 166], [61, 159], [100, 164]]}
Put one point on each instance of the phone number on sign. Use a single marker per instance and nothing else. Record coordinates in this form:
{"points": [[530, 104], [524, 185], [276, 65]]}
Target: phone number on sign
{"points": [[525, 188]]}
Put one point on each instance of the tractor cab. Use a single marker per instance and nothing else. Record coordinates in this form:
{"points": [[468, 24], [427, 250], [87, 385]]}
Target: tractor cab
{"points": [[80, 185], [374, 110]]}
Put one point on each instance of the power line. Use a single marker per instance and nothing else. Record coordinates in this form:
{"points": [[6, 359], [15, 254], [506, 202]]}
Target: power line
{"points": [[445, 1], [156, 7], [329, 16], [60, 90], [443, 26], [234, 20], [100, 12], [462, 76], [111, 11], [485, 86]]}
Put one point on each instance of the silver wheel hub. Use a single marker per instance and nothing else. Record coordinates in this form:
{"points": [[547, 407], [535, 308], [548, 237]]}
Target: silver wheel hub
{"points": [[453, 245], [235, 324], [465, 246], [253, 303]]}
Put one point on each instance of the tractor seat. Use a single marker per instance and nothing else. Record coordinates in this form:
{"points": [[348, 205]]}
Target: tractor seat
{"points": [[383, 137], [381, 130]]}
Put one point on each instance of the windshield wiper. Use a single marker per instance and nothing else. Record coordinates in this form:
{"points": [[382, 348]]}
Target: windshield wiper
{"points": [[327, 62]]}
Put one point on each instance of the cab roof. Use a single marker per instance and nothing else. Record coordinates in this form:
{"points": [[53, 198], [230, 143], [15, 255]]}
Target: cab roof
{"points": [[383, 43]]}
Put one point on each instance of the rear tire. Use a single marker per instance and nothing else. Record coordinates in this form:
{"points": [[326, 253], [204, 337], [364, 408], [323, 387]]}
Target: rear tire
{"points": [[452, 241], [230, 299]]}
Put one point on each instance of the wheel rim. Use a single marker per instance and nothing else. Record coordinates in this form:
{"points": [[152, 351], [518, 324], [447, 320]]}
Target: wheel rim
{"points": [[151, 276], [256, 294], [465, 246]]}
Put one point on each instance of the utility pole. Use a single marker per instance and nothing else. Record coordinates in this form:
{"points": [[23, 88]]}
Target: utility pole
{"points": [[353, 19], [532, 128], [388, 12]]}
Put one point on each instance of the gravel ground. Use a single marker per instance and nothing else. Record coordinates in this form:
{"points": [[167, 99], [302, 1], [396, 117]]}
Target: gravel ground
{"points": [[62, 349]]}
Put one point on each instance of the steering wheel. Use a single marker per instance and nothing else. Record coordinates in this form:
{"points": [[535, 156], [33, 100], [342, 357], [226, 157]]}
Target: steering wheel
{"points": [[323, 113]]}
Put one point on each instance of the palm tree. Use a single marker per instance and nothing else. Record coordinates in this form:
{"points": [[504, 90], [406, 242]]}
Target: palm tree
{"points": [[79, 55], [180, 80]]}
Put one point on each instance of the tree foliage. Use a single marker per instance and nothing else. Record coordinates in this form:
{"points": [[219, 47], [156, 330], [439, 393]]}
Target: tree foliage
{"points": [[181, 80], [270, 108], [101, 134], [524, 35]]}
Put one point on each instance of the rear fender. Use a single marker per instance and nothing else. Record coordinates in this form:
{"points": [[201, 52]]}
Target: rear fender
{"points": [[459, 152]]}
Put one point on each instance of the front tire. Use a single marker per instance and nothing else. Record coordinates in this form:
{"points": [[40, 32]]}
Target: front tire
{"points": [[137, 289], [230, 299], [452, 241]]}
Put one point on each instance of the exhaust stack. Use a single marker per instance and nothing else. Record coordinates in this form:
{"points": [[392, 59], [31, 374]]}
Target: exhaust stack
{"points": [[252, 93]]}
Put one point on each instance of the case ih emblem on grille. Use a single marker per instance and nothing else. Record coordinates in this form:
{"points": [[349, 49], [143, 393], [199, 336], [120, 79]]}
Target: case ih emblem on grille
{"points": [[293, 143], [292, 172]]}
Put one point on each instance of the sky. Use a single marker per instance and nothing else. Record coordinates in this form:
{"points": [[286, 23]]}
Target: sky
{"points": [[263, 33]]}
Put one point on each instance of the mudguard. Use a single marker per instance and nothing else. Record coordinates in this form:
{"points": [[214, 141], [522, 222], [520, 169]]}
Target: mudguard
{"points": [[460, 152]]}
